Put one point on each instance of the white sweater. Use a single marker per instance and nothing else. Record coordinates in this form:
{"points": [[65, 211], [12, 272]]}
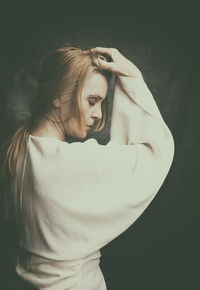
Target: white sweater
{"points": [[70, 200]]}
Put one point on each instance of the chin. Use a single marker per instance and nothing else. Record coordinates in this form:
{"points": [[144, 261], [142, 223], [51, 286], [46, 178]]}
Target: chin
{"points": [[78, 133], [81, 135]]}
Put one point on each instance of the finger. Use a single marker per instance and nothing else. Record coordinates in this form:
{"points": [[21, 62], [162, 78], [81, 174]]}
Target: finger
{"points": [[104, 64], [85, 51], [97, 56], [102, 50]]}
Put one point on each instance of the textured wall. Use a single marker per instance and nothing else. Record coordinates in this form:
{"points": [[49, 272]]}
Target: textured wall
{"points": [[160, 250]]}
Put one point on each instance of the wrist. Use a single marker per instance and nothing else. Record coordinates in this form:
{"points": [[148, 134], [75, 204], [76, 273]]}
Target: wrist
{"points": [[134, 72], [137, 75]]}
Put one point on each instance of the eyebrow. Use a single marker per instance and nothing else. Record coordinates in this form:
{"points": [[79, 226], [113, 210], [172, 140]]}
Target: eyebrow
{"points": [[96, 96]]}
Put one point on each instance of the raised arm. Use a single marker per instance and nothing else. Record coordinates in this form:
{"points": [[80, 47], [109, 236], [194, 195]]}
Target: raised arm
{"points": [[136, 118]]}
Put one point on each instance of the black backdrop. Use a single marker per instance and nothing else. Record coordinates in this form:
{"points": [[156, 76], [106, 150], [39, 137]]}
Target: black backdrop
{"points": [[161, 250]]}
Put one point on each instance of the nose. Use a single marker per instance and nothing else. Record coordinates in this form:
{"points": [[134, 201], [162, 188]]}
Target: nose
{"points": [[97, 113]]}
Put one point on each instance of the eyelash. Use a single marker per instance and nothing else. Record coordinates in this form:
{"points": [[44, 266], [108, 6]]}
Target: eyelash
{"points": [[91, 104]]}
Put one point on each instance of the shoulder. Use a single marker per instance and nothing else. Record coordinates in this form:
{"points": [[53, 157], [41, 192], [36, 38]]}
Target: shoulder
{"points": [[53, 156]]}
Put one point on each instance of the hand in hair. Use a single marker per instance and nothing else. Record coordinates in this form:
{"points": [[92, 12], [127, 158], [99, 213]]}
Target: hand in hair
{"points": [[115, 62]]}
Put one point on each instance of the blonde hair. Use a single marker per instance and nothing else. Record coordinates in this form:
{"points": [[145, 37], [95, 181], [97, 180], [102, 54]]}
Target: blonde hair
{"points": [[63, 73]]}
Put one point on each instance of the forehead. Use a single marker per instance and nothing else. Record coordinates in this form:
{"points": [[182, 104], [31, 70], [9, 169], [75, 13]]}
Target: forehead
{"points": [[96, 85]]}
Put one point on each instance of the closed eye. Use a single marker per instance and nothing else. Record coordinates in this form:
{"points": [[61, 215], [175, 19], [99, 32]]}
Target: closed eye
{"points": [[94, 100], [91, 103]]}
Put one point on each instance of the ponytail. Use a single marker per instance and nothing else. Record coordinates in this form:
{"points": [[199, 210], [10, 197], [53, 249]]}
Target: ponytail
{"points": [[11, 148]]}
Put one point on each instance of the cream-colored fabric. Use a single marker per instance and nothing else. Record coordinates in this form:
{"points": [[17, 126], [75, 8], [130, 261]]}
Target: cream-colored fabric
{"points": [[70, 200]]}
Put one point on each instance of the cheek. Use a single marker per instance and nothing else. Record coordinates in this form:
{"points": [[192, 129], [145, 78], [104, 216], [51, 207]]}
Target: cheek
{"points": [[74, 127], [73, 124], [87, 112]]}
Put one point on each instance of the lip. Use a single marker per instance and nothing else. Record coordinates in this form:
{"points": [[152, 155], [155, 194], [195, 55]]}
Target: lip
{"points": [[89, 127]]}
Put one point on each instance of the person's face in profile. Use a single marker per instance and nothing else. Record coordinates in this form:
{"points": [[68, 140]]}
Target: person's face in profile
{"points": [[94, 92]]}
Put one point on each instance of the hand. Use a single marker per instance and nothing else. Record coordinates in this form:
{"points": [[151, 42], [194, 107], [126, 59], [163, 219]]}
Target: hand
{"points": [[119, 64]]}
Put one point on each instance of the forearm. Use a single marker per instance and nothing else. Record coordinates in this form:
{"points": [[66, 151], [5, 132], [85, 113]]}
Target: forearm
{"points": [[136, 117]]}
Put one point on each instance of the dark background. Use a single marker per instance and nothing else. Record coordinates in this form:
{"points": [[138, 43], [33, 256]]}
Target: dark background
{"points": [[161, 250]]}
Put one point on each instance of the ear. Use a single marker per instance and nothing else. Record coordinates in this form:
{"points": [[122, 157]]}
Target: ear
{"points": [[57, 103]]}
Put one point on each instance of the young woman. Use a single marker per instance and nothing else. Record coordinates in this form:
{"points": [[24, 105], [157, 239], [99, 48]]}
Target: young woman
{"points": [[71, 199]]}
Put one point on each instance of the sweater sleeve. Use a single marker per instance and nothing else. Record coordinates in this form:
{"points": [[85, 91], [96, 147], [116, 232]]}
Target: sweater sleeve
{"points": [[141, 154], [97, 191]]}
